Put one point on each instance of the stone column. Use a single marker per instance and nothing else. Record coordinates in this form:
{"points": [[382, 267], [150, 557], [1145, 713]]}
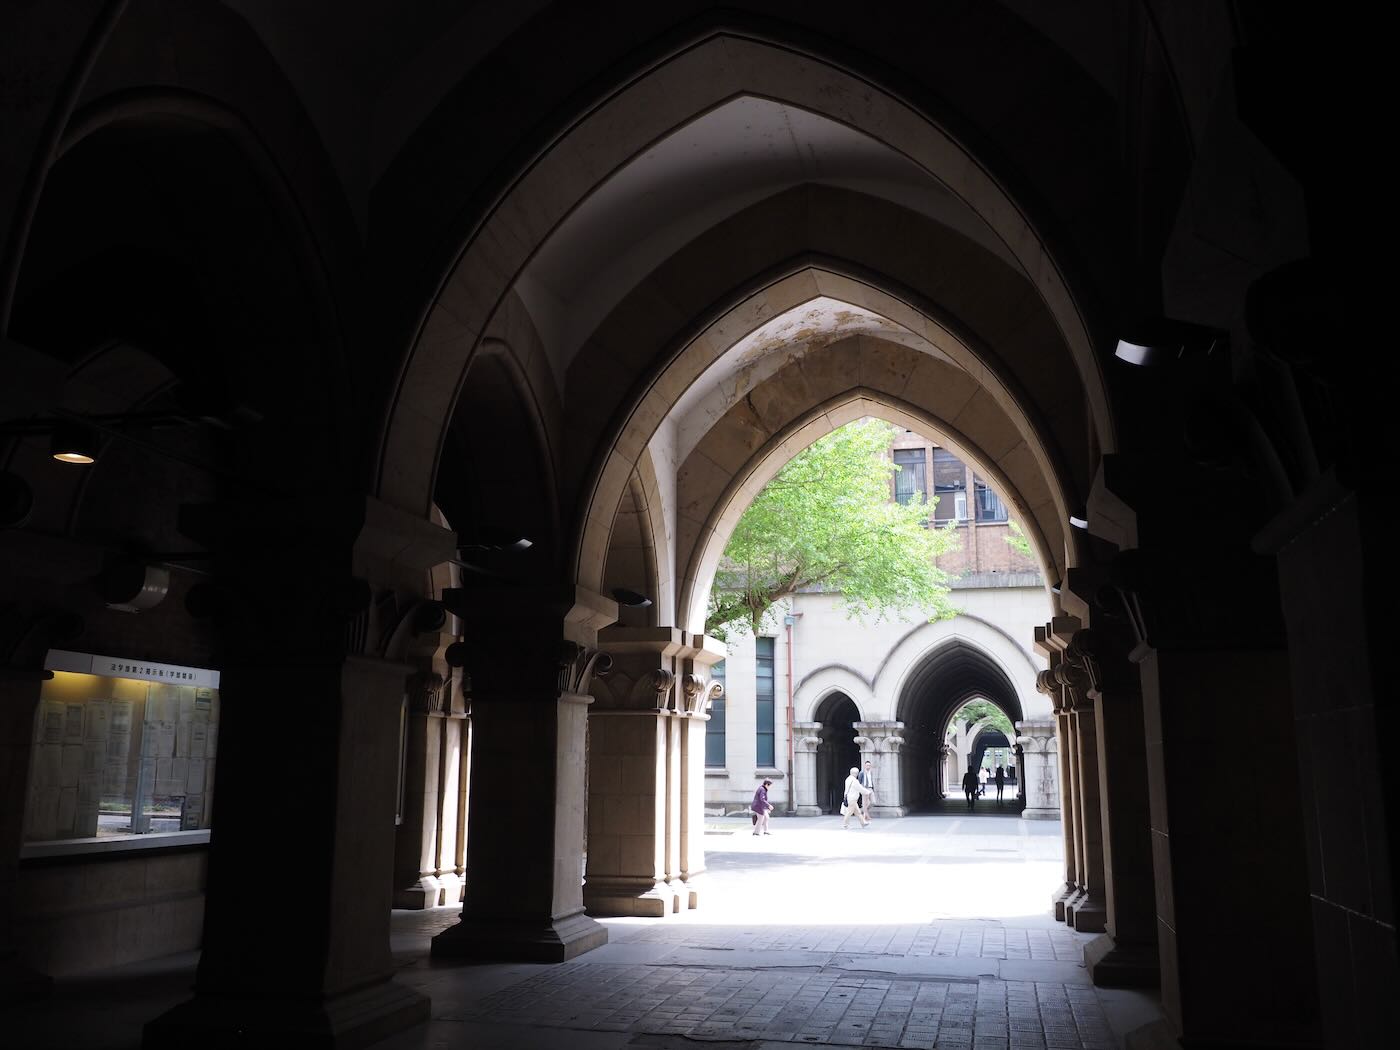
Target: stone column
{"points": [[425, 854], [806, 740], [1126, 955], [300, 720], [1047, 684], [635, 753], [531, 654], [881, 744], [1085, 910], [1087, 914], [1038, 772], [1207, 622], [698, 692]]}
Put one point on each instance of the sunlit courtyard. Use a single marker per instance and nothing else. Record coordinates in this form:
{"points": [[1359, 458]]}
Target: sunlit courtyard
{"points": [[914, 932]]}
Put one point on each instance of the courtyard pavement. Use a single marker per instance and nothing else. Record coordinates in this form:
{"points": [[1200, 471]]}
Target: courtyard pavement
{"points": [[916, 932]]}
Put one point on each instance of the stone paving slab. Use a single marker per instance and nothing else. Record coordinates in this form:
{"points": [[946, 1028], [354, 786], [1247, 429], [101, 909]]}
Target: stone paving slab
{"points": [[825, 1006]]}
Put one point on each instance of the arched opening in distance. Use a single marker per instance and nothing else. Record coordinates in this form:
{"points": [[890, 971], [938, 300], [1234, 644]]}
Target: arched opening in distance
{"points": [[937, 688], [838, 750]]}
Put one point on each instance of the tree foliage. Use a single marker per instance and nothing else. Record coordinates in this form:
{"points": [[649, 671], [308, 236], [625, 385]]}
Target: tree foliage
{"points": [[975, 711], [827, 522], [1016, 538]]}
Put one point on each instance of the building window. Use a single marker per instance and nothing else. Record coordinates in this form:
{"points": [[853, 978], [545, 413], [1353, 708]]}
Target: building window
{"points": [[763, 706], [989, 504], [116, 757], [950, 486], [714, 728], [909, 480]]}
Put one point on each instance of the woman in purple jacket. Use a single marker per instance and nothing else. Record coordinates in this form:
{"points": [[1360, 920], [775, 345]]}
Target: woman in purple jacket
{"points": [[761, 808]]}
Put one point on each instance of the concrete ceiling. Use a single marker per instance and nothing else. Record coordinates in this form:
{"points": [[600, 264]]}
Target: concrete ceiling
{"points": [[773, 345], [722, 162]]}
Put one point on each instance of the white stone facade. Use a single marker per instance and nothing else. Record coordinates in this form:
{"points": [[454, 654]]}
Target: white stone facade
{"points": [[872, 664]]}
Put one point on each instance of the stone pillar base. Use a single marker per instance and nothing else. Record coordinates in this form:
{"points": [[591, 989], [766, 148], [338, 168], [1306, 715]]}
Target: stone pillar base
{"points": [[1058, 899], [888, 811], [355, 1019], [809, 811], [520, 940], [691, 887], [1040, 814], [423, 894], [1073, 900], [604, 895], [1090, 916], [1126, 965]]}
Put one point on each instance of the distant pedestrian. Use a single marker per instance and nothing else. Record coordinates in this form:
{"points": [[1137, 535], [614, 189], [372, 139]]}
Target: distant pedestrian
{"points": [[969, 784], [1001, 782], [761, 808], [981, 781], [850, 802], [867, 794]]}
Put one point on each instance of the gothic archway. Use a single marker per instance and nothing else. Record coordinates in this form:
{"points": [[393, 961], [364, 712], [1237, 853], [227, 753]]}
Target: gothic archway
{"points": [[838, 750]]}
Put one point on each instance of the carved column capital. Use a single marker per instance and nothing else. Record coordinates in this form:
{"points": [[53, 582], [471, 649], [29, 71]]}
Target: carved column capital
{"points": [[662, 679], [427, 693], [1036, 735], [578, 664], [806, 736]]}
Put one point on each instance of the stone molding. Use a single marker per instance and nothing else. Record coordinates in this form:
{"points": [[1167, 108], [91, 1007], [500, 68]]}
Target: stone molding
{"points": [[806, 736], [578, 664]]}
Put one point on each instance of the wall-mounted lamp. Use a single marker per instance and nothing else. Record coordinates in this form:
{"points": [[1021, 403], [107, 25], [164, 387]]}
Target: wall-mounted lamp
{"points": [[73, 443], [129, 585], [1079, 518], [487, 538], [630, 599]]}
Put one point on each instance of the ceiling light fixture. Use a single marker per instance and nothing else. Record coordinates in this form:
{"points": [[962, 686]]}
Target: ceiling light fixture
{"points": [[492, 539], [1079, 519], [73, 443], [631, 599], [1158, 341]]}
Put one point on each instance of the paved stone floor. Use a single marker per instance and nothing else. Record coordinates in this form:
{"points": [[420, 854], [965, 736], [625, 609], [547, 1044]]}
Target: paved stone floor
{"points": [[918, 932], [909, 933]]}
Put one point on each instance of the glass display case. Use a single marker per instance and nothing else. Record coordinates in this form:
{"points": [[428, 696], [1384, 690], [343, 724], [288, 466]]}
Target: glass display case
{"points": [[123, 749]]}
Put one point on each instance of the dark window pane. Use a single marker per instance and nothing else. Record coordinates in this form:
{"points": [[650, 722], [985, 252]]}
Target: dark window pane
{"points": [[763, 702], [909, 482], [949, 485], [714, 728], [989, 504]]}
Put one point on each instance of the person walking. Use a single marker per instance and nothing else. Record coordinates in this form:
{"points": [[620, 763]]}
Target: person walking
{"points": [[981, 781], [761, 808], [851, 800], [969, 783], [867, 794], [1000, 782]]}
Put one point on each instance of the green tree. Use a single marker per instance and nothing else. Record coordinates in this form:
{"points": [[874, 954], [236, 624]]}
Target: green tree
{"points": [[827, 521], [1017, 539], [975, 711]]}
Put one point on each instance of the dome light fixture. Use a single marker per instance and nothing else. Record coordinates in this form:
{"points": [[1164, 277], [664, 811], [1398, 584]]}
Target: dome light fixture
{"points": [[73, 443], [630, 599], [1150, 342]]}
